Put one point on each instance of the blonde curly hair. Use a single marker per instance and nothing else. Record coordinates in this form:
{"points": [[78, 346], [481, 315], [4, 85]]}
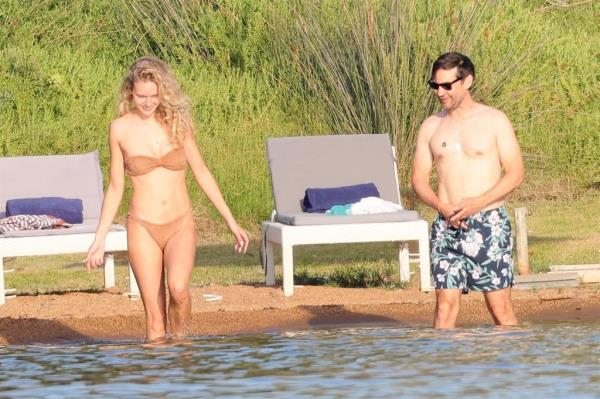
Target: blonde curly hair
{"points": [[174, 110]]}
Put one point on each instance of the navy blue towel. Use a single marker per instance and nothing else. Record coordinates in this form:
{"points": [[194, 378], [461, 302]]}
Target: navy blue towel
{"points": [[318, 200], [67, 209]]}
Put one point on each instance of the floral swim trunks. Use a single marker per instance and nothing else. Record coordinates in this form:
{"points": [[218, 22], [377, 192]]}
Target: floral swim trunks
{"points": [[478, 257]]}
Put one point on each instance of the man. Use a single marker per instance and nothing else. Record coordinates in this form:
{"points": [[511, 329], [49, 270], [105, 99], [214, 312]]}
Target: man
{"points": [[471, 145]]}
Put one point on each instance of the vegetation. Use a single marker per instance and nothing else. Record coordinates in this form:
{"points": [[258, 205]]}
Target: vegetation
{"points": [[260, 68], [257, 69]]}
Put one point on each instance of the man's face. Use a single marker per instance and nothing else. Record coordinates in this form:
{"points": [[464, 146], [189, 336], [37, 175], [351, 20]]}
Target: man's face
{"points": [[450, 96]]}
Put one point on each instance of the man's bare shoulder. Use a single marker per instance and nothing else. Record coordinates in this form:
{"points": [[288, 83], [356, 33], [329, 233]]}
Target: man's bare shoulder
{"points": [[491, 113], [491, 116], [430, 124]]}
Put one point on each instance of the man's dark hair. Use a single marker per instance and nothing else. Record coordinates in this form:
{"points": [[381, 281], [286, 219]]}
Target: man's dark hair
{"points": [[453, 59]]}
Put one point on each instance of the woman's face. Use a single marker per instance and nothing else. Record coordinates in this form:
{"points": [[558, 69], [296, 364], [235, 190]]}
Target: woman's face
{"points": [[145, 97]]}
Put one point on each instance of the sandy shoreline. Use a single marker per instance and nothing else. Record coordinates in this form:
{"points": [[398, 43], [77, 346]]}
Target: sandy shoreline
{"points": [[247, 309]]}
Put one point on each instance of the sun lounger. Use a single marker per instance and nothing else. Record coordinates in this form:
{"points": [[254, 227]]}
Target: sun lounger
{"points": [[67, 176], [297, 163]]}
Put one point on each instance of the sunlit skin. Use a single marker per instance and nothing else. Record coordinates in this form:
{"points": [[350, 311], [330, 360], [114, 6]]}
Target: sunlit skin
{"points": [[146, 99], [475, 153], [158, 197]]}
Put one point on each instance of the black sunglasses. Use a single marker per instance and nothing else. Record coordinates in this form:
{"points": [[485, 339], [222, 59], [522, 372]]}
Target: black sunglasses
{"points": [[446, 86]]}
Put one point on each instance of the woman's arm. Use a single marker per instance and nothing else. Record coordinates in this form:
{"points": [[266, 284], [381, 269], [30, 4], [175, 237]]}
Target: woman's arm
{"points": [[112, 199], [208, 184]]}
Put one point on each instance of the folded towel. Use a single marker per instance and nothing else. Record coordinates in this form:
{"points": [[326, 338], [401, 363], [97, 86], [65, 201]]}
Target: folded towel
{"points": [[373, 205], [339, 210], [366, 206], [68, 209], [29, 222], [319, 200]]}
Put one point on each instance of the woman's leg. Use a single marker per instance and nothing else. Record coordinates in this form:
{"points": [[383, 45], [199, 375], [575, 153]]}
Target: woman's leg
{"points": [[146, 260], [180, 252]]}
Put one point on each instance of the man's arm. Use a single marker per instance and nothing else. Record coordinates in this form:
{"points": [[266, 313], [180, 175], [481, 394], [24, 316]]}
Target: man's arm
{"points": [[511, 160], [421, 172]]}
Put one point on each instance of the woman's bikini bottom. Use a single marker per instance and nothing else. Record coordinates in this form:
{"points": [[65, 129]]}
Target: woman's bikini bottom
{"points": [[162, 232]]}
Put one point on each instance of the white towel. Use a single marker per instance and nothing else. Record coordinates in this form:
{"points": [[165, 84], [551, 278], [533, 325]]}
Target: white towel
{"points": [[371, 205]]}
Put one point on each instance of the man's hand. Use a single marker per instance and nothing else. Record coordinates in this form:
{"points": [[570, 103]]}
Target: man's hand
{"points": [[448, 211], [466, 207]]}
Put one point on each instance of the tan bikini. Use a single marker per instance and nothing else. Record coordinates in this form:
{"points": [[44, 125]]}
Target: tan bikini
{"points": [[142, 164]]}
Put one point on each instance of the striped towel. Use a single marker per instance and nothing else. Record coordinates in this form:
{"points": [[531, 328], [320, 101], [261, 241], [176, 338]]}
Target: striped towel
{"points": [[29, 222]]}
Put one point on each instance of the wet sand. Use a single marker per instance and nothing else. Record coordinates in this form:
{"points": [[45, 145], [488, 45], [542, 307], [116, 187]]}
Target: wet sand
{"points": [[246, 309]]}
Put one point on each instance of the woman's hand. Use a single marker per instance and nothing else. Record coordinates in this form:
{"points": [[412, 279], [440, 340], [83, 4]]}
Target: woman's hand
{"points": [[95, 255], [241, 238]]}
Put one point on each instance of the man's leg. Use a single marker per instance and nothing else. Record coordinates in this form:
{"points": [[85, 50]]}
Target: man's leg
{"points": [[448, 270], [490, 271], [446, 307], [500, 306]]}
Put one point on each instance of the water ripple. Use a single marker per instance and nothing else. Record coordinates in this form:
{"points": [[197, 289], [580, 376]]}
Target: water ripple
{"points": [[546, 360]]}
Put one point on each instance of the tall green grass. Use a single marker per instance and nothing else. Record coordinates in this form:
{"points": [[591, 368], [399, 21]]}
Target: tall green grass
{"points": [[226, 34], [63, 62], [257, 69], [367, 63]]}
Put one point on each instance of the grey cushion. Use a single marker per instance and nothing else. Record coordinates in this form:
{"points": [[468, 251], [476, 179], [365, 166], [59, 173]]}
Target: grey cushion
{"points": [[307, 219], [69, 176], [297, 163]]}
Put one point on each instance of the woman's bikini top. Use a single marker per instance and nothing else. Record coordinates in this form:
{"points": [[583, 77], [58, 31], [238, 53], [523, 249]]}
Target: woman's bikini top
{"points": [[141, 164]]}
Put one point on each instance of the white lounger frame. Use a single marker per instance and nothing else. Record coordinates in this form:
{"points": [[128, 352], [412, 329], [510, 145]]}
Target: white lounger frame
{"points": [[69, 176], [64, 244], [288, 236]]}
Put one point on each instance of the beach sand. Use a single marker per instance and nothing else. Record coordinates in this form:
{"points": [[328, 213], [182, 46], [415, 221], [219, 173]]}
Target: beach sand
{"points": [[247, 309]]}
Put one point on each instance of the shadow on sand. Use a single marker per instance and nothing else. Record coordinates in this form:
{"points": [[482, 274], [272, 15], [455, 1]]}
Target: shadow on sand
{"points": [[336, 316], [32, 330]]}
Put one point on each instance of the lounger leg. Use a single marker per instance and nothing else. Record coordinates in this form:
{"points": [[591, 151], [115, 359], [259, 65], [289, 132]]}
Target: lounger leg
{"points": [[109, 271], [270, 263], [2, 298], [262, 246], [424, 266], [287, 258], [134, 290], [404, 260]]}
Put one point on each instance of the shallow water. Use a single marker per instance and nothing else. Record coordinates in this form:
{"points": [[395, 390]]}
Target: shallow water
{"points": [[548, 361]]}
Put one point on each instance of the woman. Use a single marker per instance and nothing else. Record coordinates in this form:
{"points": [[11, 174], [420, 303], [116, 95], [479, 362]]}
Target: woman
{"points": [[153, 141]]}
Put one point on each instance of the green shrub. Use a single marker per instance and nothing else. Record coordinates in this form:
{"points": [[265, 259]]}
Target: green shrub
{"points": [[303, 277], [352, 276]]}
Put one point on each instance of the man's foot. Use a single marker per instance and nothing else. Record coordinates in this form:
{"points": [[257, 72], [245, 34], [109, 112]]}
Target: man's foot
{"points": [[153, 343]]}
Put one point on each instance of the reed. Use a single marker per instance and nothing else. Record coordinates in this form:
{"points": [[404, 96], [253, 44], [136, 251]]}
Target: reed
{"points": [[368, 62], [257, 69]]}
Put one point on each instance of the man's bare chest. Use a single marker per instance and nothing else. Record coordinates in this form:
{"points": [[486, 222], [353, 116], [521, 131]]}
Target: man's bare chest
{"points": [[452, 142]]}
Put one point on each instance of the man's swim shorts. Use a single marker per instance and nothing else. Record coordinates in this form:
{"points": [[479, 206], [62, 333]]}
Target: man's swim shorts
{"points": [[476, 257]]}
